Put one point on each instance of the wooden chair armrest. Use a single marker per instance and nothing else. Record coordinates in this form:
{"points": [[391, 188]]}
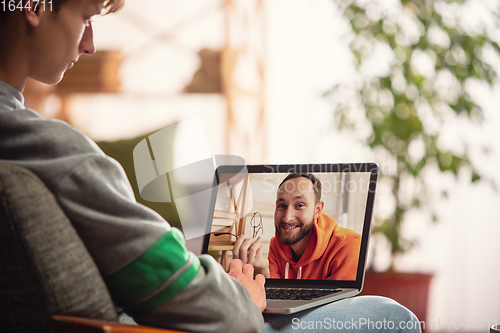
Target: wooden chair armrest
{"points": [[68, 324]]}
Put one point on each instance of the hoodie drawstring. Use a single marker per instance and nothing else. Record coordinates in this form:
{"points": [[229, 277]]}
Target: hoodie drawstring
{"points": [[287, 269]]}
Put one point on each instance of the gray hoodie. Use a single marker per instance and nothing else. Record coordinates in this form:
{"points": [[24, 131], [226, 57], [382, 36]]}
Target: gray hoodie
{"points": [[142, 258]]}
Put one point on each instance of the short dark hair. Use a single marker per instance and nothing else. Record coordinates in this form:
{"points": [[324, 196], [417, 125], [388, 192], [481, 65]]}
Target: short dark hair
{"points": [[109, 6], [314, 180]]}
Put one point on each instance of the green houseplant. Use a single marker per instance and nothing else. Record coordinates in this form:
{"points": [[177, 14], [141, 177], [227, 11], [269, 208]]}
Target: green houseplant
{"points": [[429, 60]]}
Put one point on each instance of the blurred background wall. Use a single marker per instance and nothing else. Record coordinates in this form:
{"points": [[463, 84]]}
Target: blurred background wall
{"points": [[256, 72]]}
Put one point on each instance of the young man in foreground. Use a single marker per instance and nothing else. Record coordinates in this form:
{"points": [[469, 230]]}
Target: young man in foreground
{"points": [[143, 261]]}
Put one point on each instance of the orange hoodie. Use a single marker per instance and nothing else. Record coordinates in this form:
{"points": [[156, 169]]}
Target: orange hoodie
{"points": [[332, 253]]}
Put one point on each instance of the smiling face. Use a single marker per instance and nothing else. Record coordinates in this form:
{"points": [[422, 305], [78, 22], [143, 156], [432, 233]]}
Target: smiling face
{"points": [[60, 37], [296, 210]]}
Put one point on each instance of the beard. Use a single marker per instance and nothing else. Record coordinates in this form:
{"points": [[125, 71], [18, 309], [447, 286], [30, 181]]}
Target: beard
{"points": [[305, 229]]}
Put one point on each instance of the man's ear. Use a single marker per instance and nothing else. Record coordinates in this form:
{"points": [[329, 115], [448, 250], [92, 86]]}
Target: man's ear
{"points": [[318, 209], [33, 12]]}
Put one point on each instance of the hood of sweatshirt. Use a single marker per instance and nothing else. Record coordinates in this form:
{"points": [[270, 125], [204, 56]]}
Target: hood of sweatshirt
{"points": [[10, 97]]}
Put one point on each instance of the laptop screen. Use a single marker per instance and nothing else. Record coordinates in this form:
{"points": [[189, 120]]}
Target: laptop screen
{"points": [[312, 226]]}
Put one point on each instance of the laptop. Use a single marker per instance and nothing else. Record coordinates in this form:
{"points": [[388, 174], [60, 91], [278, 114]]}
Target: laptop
{"points": [[245, 203]]}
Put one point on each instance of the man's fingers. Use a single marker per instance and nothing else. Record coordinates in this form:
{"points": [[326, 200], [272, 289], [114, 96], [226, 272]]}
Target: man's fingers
{"points": [[260, 251], [259, 278], [243, 251], [235, 265], [237, 245], [252, 251], [244, 274], [248, 270]]}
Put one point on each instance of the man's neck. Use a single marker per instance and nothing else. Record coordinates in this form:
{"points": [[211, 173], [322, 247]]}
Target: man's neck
{"points": [[299, 247], [14, 67], [295, 257], [18, 83], [14, 57]]}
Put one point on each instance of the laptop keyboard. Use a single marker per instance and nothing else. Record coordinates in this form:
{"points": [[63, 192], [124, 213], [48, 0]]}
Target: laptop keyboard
{"points": [[297, 294]]}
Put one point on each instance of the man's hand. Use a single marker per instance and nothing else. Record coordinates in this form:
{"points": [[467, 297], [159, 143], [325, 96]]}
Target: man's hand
{"points": [[249, 251], [244, 274]]}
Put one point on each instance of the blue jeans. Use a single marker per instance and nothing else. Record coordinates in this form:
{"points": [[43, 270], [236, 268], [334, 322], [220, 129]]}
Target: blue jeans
{"points": [[357, 314]]}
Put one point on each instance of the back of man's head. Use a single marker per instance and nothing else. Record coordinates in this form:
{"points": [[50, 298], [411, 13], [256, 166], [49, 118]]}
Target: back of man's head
{"points": [[10, 7]]}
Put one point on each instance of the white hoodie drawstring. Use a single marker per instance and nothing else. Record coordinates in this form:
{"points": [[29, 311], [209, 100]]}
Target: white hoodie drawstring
{"points": [[287, 268]]}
